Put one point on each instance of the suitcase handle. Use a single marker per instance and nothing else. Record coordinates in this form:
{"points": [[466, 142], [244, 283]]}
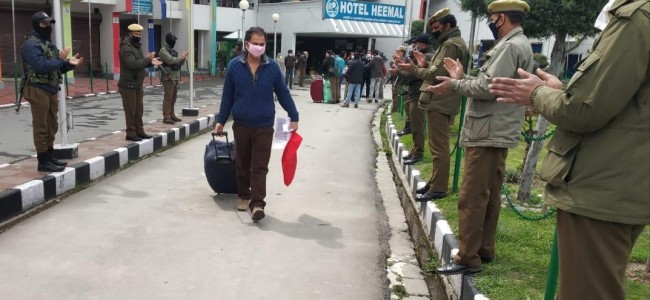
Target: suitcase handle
{"points": [[223, 133]]}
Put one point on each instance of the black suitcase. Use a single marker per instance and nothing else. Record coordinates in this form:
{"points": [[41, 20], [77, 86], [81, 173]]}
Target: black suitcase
{"points": [[219, 165]]}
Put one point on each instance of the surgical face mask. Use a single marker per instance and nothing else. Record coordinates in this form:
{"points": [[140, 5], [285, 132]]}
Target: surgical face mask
{"points": [[256, 50], [603, 18]]}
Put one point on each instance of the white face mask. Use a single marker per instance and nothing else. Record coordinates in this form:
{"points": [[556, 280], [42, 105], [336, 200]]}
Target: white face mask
{"points": [[603, 17]]}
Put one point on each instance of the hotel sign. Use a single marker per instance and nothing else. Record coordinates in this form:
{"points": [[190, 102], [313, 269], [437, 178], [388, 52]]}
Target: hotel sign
{"points": [[363, 11]]}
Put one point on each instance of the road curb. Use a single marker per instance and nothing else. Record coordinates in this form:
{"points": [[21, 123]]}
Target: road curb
{"points": [[32, 194], [439, 234]]}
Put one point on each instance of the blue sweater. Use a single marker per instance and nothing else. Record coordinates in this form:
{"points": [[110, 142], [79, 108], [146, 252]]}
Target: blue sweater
{"points": [[251, 100]]}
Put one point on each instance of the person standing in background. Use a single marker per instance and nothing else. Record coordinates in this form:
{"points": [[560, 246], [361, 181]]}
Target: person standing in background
{"points": [[134, 65], [302, 61], [171, 63], [290, 64], [43, 68]]}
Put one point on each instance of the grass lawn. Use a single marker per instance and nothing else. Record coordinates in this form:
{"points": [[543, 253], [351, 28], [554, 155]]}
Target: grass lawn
{"points": [[523, 247]]}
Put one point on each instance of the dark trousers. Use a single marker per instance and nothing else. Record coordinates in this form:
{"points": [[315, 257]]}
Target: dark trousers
{"points": [[253, 154], [479, 203], [438, 127], [301, 79], [417, 119], [593, 256], [289, 77], [45, 124], [169, 101], [366, 83], [133, 110]]}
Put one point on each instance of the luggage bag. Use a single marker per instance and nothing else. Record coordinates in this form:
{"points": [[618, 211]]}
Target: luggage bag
{"points": [[219, 165]]}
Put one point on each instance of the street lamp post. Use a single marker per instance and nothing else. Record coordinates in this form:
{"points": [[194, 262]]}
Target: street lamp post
{"points": [[276, 18], [243, 5]]}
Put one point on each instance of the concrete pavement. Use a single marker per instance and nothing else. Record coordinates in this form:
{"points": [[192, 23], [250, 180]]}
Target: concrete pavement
{"points": [[156, 230]]}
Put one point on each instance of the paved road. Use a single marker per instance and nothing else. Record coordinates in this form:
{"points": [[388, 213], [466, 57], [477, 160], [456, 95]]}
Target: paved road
{"points": [[93, 117], [157, 231]]}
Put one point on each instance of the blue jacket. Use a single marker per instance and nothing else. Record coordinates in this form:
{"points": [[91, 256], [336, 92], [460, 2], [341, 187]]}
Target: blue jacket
{"points": [[251, 100], [33, 54]]}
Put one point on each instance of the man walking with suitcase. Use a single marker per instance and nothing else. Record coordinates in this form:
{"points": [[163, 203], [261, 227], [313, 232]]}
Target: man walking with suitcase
{"points": [[247, 94]]}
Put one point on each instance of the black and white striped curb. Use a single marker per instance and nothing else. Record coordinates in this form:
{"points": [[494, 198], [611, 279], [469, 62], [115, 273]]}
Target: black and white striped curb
{"points": [[31, 194], [440, 234]]}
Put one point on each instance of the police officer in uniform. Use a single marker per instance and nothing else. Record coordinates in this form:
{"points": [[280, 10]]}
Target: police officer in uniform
{"points": [[440, 110], [43, 67], [416, 114], [171, 76], [400, 53], [598, 162], [133, 64], [490, 129]]}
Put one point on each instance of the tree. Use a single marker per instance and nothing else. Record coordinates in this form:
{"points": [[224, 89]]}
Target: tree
{"points": [[416, 27], [561, 18]]}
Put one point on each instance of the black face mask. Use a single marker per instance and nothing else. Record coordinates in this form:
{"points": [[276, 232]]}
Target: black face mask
{"points": [[494, 29], [43, 33], [171, 41], [436, 34], [135, 39]]}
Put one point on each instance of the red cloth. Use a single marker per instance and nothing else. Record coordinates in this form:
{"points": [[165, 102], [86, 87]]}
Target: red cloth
{"points": [[290, 158]]}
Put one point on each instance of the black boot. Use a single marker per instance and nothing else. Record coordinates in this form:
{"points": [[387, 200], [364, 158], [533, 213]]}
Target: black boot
{"points": [[406, 130], [50, 153], [45, 165]]}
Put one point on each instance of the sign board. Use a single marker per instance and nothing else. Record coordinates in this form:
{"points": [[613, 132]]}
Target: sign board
{"points": [[363, 11], [142, 7]]}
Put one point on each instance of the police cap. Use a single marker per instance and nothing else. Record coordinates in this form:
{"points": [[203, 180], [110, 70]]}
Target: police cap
{"points": [[438, 15], [422, 38], [135, 27], [41, 16], [508, 5]]}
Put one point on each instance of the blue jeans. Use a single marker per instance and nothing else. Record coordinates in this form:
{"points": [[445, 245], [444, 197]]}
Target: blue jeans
{"points": [[356, 89]]}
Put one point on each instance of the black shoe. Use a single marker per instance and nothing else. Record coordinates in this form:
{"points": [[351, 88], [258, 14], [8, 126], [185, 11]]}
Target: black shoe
{"points": [[406, 131], [48, 166], [423, 189], [356, 106], [487, 259], [376, 101], [452, 269], [407, 157], [134, 138], [169, 121], [144, 136], [412, 161], [176, 119], [428, 196], [50, 153]]}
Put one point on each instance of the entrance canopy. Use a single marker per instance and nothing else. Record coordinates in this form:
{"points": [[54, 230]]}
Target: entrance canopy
{"points": [[367, 28]]}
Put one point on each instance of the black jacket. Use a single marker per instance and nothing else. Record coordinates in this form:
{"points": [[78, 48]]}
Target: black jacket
{"points": [[354, 74], [328, 63]]}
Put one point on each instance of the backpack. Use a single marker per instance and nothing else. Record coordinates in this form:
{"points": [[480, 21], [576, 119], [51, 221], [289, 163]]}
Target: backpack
{"points": [[337, 66]]}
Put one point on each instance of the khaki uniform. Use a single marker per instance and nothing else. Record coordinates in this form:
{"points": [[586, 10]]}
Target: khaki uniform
{"points": [[490, 128], [133, 64], [416, 116], [170, 78], [440, 110], [598, 162]]}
